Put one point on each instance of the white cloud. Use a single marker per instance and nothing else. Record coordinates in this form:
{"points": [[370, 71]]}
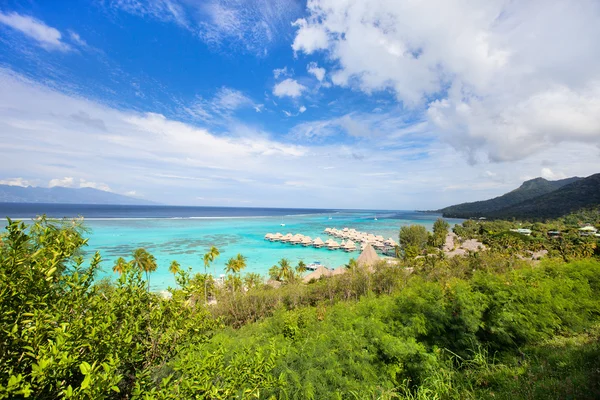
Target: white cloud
{"points": [[75, 37], [15, 182], [71, 182], [67, 181], [250, 25], [288, 87], [301, 109], [221, 106], [174, 162], [310, 36], [315, 70], [47, 37], [277, 72], [94, 185], [499, 92]]}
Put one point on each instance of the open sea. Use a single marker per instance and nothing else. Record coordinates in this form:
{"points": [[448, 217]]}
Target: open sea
{"points": [[186, 233]]}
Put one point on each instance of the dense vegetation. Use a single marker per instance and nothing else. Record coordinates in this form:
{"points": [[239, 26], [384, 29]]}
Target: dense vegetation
{"points": [[488, 325], [584, 193], [528, 190]]}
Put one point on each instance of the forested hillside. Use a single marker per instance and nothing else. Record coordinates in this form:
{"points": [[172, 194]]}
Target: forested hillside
{"points": [[584, 193], [528, 190]]}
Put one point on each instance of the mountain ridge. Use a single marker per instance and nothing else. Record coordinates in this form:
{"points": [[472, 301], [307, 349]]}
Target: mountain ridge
{"points": [[58, 194], [529, 189]]}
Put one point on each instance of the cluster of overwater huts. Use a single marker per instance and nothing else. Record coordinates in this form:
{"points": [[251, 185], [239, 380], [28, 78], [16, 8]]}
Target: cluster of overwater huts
{"points": [[349, 238], [377, 241], [307, 241]]}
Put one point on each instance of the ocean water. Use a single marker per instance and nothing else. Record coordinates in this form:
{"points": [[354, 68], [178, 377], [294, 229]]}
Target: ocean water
{"points": [[186, 233]]}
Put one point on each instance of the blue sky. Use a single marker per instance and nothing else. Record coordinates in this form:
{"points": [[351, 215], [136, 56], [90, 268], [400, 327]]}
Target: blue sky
{"points": [[283, 103]]}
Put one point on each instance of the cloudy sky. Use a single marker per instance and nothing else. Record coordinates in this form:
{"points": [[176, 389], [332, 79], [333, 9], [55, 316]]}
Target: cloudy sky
{"points": [[395, 104]]}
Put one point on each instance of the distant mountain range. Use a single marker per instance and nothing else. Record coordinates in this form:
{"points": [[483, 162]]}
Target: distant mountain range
{"points": [[535, 199], [30, 194]]}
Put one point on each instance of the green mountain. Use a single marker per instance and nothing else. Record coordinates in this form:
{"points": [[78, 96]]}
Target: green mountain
{"points": [[30, 194], [528, 190], [583, 193]]}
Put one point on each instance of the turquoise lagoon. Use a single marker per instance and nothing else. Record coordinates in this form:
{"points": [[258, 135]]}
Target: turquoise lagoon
{"points": [[186, 239]]}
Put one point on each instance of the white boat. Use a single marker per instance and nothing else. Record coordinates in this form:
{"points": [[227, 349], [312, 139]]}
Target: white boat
{"points": [[313, 265]]}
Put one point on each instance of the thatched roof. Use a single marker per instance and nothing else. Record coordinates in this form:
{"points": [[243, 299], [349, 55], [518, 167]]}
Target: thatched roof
{"points": [[318, 241], [368, 257], [316, 274], [339, 271], [274, 283]]}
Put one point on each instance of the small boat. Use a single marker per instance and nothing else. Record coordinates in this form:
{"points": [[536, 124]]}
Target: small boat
{"points": [[313, 265], [330, 217], [282, 224]]}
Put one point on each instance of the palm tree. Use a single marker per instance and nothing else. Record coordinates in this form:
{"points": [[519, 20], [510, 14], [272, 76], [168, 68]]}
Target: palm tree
{"points": [[120, 265], [240, 262], [285, 270], [274, 273], [145, 261], [174, 267], [301, 268], [231, 267], [235, 265], [252, 280], [209, 257]]}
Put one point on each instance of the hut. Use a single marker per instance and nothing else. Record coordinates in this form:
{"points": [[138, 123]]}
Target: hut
{"points": [[306, 241], [296, 239], [333, 245], [276, 237], [318, 243], [390, 243], [368, 257], [350, 246], [287, 237], [269, 237], [317, 274], [339, 271]]}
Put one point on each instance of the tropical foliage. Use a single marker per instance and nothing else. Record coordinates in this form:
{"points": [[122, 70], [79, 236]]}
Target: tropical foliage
{"points": [[488, 325]]}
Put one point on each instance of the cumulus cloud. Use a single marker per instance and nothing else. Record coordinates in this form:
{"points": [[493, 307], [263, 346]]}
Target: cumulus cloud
{"points": [[67, 181], [289, 87], [315, 70], [490, 87], [46, 36], [15, 182]]}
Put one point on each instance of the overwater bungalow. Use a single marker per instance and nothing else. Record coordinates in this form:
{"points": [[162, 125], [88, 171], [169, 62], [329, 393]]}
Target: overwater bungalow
{"points": [[287, 237], [318, 243], [350, 246], [269, 237], [333, 245], [306, 241]]}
